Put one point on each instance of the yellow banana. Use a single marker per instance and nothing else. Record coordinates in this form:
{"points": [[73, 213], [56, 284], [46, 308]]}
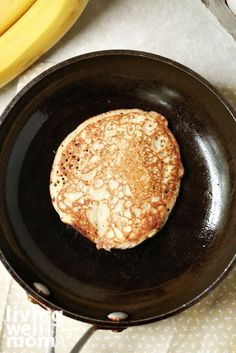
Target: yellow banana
{"points": [[11, 11], [34, 33]]}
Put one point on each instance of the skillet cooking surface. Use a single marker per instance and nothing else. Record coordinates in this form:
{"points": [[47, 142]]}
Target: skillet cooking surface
{"points": [[164, 274]]}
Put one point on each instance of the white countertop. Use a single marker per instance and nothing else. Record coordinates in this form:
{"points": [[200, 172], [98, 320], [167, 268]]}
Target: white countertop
{"points": [[187, 32]]}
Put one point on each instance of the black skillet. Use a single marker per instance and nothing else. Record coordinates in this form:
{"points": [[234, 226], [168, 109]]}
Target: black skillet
{"points": [[163, 275]]}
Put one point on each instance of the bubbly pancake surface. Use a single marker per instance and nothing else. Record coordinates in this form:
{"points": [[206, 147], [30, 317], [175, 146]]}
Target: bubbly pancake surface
{"points": [[116, 177]]}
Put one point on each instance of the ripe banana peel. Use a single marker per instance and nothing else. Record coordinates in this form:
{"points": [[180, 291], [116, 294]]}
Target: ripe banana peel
{"points": [[11, 11], [45, 22]]}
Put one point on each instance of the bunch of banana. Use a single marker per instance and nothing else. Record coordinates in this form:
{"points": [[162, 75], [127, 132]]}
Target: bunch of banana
{"points": [[29, 28]]}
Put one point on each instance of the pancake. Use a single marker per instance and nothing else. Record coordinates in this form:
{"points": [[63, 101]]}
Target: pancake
{"points": [[116, 177]]}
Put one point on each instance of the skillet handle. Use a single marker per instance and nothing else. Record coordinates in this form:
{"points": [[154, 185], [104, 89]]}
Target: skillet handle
{"points": [[51, 335], [82, 341], [78, 346]]}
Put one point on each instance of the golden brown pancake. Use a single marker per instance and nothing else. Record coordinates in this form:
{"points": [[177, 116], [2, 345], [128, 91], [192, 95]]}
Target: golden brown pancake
{"points": [[116, 177]]}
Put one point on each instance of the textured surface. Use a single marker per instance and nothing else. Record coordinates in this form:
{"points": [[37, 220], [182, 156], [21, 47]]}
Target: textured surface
{"points": [[116, 177], [165, 28]]}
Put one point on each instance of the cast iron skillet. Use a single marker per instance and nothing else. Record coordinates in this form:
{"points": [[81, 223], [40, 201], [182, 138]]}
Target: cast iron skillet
{"points": [[163, 275]]}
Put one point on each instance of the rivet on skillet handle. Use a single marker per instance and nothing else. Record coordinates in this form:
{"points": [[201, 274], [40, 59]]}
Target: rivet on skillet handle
{"points": [[117, 316], [40, 289]]}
